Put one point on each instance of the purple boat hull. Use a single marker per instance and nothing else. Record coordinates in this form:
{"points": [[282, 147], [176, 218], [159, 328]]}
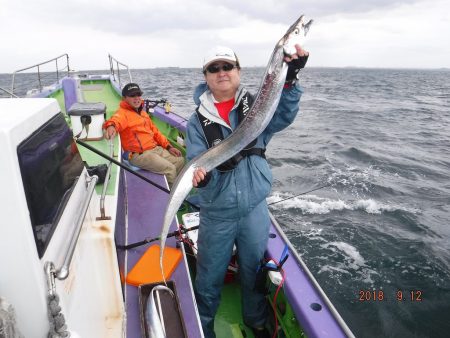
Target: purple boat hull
{"points": [[313, 309]]}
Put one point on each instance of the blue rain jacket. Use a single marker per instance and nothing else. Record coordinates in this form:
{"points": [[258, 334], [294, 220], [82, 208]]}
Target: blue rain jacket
{"points": [[233, 194]]}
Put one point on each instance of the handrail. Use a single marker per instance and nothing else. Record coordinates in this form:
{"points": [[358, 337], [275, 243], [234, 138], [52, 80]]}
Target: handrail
{"points": [[63, 272], [38, 70], [105, 184], [113, 70], [342, 324], [8, 92]]}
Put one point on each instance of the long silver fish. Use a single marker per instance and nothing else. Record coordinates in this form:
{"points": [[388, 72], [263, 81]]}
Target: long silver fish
{"points": [[256, 120]]}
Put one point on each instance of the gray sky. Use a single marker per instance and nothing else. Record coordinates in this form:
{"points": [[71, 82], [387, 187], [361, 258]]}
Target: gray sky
{"points": [[158, 33]]}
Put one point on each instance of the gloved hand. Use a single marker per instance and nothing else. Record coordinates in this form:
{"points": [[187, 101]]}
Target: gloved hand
{"points": [[294, 67]]}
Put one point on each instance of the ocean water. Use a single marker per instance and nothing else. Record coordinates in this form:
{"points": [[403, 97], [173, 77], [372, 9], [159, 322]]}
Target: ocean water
{"points": [[376, 145]]}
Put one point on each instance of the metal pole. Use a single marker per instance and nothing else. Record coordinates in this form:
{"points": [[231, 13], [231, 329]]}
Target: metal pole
{"points": [[39, 79], [57, 74], [118, 73]]}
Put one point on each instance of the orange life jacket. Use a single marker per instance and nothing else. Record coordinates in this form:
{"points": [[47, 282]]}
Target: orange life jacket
{"points": [[137, 131]]}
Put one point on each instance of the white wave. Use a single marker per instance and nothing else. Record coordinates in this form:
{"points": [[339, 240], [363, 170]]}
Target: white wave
{"points": [[329, 268], [353, 257], [313, 207], [373, 207], [311, 204], [357, 179], [352, 263], [313, 234]]}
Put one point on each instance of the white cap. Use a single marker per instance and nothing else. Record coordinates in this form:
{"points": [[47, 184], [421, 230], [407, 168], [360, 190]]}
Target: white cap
{"points": [[219, 53]]}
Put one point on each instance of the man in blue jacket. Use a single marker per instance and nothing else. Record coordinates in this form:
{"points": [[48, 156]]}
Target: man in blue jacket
{"points": [[232, 197]]}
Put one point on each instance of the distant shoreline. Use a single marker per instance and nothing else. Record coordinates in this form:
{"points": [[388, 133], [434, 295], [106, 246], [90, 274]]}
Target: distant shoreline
{"points": [[246, 67]]}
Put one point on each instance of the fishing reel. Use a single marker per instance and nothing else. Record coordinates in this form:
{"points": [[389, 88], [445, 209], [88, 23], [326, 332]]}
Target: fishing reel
{"points": [[149, 105]]}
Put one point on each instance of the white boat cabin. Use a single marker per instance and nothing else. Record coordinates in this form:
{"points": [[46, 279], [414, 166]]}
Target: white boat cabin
{"points": [[50, 240]]}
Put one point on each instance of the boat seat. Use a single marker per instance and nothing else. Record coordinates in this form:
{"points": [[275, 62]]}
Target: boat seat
{"points": [[125, 160], [133, 167], [145, 271]]}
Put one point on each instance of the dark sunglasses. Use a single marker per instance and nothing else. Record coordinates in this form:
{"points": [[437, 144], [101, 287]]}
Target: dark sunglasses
{"points": [[214, 68], [135, 95]]}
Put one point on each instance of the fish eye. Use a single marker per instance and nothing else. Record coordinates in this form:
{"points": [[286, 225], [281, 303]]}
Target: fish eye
{"points": [[296, 31]]}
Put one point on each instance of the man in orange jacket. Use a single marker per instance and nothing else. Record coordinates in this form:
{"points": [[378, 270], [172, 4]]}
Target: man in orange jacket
{"points": [[142, 142]]}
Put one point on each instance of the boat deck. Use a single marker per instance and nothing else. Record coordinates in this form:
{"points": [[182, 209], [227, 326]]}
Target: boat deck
{"points": [[145, 220]]}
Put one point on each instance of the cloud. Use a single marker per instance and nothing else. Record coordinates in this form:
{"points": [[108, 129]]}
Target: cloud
{"points": [[404, 36], [150, 33], [148, 16]]}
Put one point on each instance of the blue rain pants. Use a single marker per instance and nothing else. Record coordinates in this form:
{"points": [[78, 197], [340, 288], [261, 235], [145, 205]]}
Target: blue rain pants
{"points": [[215, 244]]}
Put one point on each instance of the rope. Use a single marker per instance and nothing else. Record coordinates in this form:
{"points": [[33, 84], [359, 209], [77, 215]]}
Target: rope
{"points": [[58, 327], [55, 317]]}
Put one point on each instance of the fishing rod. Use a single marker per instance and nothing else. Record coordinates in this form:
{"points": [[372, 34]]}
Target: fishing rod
{"points": [[127, 168], [149, 240], [303, 193]]}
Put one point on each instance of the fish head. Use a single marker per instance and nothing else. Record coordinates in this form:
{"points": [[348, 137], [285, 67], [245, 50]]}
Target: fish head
{"points": [[295, 35]]}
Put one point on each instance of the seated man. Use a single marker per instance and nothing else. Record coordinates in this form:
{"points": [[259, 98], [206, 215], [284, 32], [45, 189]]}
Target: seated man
{"points": [[141, 140]]}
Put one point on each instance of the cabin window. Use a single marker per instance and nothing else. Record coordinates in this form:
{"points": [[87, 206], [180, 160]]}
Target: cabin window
{"points": [[50, 165]]}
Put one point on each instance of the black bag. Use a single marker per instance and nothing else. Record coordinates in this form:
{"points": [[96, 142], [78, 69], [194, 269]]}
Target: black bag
{"points": [[99, 170]]}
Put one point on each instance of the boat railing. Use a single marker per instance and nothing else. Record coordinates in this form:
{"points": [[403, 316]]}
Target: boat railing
{"points": [[8, 92], [105, 184], [40, 76], [325, 298], [115, 69], [63, 272]]}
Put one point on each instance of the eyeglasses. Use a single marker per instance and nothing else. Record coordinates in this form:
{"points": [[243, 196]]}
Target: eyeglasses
{"points": [[134, 95], [215, 68]]}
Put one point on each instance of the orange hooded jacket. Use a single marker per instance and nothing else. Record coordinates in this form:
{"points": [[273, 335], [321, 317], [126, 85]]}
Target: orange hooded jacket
{"points": [[137, 131]]}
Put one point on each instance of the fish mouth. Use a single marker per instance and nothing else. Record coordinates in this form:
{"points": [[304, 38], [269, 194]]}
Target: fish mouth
{"points": [[295, 32], [285, 38], [293, 27]]}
